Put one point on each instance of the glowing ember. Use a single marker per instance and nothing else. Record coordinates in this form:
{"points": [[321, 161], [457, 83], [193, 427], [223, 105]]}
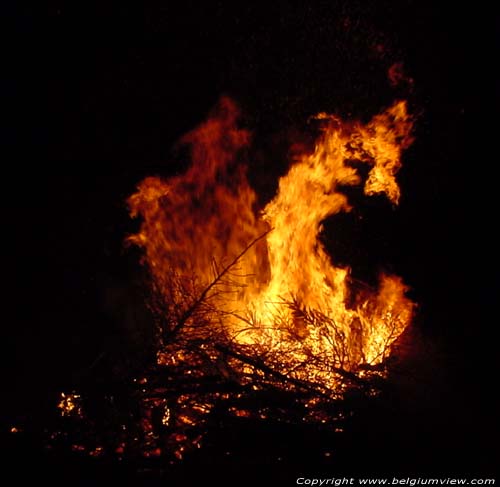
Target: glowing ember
{"points": [[99, 451], [258, 292], [165, 420], [70, 405]]}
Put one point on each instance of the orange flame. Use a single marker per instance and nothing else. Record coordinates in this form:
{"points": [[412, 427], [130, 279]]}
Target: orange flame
{"points": [[276, 285]]}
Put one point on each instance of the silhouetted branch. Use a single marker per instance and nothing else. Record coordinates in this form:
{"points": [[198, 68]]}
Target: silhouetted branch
{"points": [[201, 298]]}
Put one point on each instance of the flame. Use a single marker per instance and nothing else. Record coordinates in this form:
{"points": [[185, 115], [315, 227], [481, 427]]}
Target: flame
{"points": [[264, 280]]}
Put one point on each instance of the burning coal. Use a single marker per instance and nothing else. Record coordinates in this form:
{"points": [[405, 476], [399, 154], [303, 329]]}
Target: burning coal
{"points": [[254, 294]]}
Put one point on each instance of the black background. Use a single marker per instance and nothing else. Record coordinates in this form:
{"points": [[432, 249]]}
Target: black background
{"points": [[88, 122]]}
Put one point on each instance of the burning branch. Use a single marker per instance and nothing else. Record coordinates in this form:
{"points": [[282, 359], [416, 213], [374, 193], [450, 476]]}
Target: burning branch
{"points": [[204, 294]]}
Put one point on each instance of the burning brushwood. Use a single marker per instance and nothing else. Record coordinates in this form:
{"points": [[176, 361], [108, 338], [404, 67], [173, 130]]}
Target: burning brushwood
{"points": [[231, 278], [253, 317]]}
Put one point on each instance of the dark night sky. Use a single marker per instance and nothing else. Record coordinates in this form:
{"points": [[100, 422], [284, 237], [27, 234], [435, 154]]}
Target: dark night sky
{"points": [[88, 122]]}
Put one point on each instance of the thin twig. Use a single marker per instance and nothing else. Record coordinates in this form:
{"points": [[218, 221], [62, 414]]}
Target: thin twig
{"points": [[204, 293]]}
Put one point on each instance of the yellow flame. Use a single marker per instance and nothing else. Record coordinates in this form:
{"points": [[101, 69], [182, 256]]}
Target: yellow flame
{"points": [[283, 293]]}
